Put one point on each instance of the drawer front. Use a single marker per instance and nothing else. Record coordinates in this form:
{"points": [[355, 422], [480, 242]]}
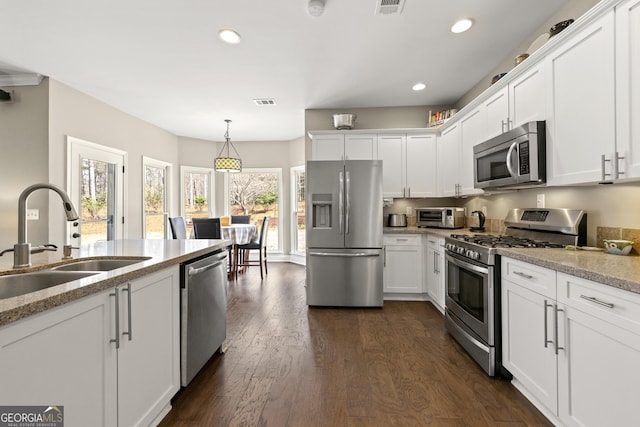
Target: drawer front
{"points": [[622, 308], [535, 278], [435, 242], [402, 239]]}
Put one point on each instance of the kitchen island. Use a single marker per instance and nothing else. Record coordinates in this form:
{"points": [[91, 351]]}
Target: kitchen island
{"points": [[105, 349]]}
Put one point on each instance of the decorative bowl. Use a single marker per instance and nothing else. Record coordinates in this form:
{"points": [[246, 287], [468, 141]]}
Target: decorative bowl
{"points": [[559, 27], [344, 121], [618, 247], [497, 77]]}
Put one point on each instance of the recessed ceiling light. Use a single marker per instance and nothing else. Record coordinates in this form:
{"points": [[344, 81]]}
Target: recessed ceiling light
{"points": [[461, 26], [419, 86], [229, 36]]}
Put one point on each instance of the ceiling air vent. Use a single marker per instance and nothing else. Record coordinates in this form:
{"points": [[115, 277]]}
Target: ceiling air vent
{"points": [[389, 7], [264, 102]]}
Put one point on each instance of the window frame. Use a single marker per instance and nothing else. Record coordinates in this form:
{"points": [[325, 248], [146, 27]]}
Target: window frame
{"points": [[294, 208], [210, 196], [159, 164]]}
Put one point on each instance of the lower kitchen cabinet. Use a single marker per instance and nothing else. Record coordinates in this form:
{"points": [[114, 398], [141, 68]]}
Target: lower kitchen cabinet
{"points": [[403, 258], [69, 356], [572, 345], [435, 271]]}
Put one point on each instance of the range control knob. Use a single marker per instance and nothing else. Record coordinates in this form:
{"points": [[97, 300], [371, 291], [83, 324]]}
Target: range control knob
{"points": [[451, 247], [460, 250], [472, 254]]}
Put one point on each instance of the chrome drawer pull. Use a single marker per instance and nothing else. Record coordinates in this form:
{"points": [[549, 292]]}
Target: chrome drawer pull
{"points": [[521, 274], [546, 336], [597, 301]]}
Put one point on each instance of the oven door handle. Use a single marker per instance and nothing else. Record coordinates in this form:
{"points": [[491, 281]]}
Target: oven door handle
{"points": [[467, 265]]}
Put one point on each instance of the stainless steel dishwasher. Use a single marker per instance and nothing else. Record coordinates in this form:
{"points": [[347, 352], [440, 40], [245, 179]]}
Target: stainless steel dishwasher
{"points": [[203, 325]]}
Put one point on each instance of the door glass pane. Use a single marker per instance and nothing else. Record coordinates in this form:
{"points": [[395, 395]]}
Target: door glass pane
{"points": [[154, 202], [299, 214], [97, 195], [196, 203], [256, 194]]}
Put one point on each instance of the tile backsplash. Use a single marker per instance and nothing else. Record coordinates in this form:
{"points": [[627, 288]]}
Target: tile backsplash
{"points": [[618, 233]]}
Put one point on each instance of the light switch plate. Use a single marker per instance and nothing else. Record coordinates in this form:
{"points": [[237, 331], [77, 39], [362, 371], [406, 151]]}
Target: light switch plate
{"points": [[33, 214], [409, 210], [540, 201]]}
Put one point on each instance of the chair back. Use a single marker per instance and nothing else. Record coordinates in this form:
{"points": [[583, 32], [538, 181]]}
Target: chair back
{"points": [[178, 227], [240, 219], [263, 231], [207, 228]]}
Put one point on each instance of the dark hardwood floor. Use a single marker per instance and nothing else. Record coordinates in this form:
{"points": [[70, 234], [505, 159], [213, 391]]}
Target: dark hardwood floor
{"points": [[290, 365]]}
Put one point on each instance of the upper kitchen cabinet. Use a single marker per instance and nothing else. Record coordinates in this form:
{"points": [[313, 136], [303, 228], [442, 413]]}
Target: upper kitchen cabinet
{"points": [[628, 89], [471, 133], [409, 165], [581, 105], [448, 147], [341, 146], [521, 101]]}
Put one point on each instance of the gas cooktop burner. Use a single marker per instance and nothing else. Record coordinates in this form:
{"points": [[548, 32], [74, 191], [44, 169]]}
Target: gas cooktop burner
{"points": [[501, 241]]}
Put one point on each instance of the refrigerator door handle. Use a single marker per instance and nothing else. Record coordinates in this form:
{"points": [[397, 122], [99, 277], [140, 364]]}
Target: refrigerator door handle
{"points": [[348, 255], [341, 202], [348, 193]]}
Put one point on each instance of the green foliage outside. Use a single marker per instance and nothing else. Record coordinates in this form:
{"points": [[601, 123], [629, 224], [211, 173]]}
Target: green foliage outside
{"points": [[94, 206], [200, 202]]}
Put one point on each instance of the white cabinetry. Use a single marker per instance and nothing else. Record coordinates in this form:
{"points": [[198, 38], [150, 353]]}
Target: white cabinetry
{"points": [[68, 355], [449, 161], [409, 165], [471, 133], [572, 345], [341, 146], [403, 258], [628, 88], [522, 101], [581, 124], [435, 270]]}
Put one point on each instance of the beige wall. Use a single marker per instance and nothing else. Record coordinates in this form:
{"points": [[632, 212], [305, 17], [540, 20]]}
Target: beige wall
{"points": [[76, 114], [572, 9], [24, 160]]}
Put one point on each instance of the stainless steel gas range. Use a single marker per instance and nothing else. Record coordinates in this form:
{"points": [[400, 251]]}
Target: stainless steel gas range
{"points": [[472, 268]]}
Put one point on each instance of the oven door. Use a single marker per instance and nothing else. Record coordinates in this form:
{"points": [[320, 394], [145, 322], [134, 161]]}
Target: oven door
{"points": [[469, 294]]}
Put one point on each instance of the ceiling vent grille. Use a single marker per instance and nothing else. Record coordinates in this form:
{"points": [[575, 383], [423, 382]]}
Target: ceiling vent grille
{"points": [[389, 7], [264, 102]]}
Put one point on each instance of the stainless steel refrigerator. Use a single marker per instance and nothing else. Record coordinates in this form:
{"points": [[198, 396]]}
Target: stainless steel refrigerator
{"points": [[344, 233]]}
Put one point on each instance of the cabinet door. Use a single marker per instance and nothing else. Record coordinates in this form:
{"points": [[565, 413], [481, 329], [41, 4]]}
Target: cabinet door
{"points": [[527, 100], [598, 372], [471, 133], [435, 271], [421, 166], [327, 147], [391, 152], [527, 327], [628, 87], [360, 147], [496, 112], [63, 357], [449, 161], [402, 264], [581, 126], [149, 358]]}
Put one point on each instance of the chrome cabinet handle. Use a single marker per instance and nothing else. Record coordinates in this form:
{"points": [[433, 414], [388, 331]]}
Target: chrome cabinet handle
{"points": [[521, 274], [597, 301], [117, 307], [502, 121], [604, 161], [509, 165], [616, 165], [384, 256], [546, 335], [129, 333], [556, 329], [409, 192]]}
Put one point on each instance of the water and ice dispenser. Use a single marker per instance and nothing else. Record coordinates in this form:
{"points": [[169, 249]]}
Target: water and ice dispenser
{"points": [[322, 206]]}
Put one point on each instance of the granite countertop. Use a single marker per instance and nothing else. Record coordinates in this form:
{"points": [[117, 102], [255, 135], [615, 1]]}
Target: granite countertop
{"points": [[621, 272], [161, 253]]}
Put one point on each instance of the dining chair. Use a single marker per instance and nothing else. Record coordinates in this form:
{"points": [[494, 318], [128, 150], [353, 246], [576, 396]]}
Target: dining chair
{"points": [[259, 244], [240, 219], [206, 228], [178, 227]]}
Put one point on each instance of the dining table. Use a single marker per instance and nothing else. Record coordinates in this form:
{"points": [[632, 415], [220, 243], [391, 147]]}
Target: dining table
{"points": [[239, 234]]}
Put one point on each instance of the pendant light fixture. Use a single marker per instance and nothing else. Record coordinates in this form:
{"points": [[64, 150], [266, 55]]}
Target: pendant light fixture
{"points": [[224, 162]]}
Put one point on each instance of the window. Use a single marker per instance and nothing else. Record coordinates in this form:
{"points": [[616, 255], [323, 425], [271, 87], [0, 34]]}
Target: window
{"points": [[298, 210], [96, 182], [196, 193], [256, 192], [155, 184]]}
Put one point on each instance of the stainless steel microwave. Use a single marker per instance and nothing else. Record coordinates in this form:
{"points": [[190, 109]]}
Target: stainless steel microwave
{"points": [[440, 217], [516, 158]]}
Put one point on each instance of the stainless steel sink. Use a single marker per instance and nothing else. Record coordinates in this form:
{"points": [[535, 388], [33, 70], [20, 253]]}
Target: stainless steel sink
{"points": [[106, 264], [21, 284]]}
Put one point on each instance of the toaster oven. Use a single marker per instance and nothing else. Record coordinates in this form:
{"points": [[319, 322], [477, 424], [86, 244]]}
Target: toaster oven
{"points": [[440, 217]]}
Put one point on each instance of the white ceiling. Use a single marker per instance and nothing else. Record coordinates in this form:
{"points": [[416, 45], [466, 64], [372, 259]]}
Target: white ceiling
{"points": [[161, 60]]}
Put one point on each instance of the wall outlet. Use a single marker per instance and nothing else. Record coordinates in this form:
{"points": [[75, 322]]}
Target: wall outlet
{"points": [[33, 214], [540, 201], [484, 210], [409, 210]]}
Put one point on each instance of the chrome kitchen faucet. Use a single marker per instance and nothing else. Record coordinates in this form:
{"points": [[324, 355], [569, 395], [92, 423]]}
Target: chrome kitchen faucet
{"points": [[22, 250]]}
